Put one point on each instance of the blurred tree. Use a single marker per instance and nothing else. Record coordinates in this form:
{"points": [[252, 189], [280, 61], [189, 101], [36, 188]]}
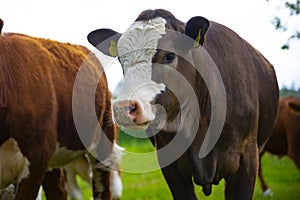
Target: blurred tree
{"points": [[292, 91], [293, 8]]}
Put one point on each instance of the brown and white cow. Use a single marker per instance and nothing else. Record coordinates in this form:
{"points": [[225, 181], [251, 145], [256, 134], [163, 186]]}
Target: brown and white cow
{"points": [[37, 129], [285, 139], [207, 99]]}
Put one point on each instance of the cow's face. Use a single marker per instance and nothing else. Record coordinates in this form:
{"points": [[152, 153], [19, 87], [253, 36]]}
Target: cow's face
{"points": [[144, 47]]}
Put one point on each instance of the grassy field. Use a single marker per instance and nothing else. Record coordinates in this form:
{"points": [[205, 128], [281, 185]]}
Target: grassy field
{"points": [[281, 175]]}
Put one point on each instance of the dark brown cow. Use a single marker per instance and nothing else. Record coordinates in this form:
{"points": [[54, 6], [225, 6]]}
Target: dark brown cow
{"points": [[37, 130], [285, 139], [209, 105]]}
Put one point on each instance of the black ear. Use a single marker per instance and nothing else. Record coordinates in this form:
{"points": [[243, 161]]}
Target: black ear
{"points": [[1, 25], [196, 28], [105, 40]]}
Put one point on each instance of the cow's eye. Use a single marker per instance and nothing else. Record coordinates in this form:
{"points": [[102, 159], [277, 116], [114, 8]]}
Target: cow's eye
{"points": [[168, 58]]}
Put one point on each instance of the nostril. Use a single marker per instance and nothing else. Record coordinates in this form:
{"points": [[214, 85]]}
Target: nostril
{"points": [[132, 109], [126, 111]]}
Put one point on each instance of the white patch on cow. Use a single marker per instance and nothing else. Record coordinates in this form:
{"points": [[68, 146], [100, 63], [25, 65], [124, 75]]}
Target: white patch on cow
{"points": [[40, 194], [115, 156], [268, 193], [8, 193], [63, 156], [112, 160], [136, 47], [116, 185], [14, 166]]}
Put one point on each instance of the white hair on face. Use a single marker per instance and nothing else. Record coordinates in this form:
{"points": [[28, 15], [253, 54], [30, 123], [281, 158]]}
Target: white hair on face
{"points": [[136, 47], [139, 42]]}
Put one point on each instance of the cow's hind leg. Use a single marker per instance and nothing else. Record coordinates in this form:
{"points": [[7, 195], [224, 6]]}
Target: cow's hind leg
{"points": [[54, 185], [294, 147], [241, 184], [29, 187]]}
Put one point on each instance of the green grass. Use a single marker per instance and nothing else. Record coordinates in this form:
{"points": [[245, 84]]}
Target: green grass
{"points": [[281, 175]]}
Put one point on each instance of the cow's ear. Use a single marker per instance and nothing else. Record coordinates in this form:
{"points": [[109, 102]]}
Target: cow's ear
{"points": [[105, 40], [196, 28], [295, 106]]}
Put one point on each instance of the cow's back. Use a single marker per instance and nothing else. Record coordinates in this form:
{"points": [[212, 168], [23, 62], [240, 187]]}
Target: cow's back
{"points": [[48, 69]]}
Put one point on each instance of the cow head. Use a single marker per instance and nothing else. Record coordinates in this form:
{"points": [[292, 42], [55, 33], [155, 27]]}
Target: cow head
{"points": [[149, 43]]}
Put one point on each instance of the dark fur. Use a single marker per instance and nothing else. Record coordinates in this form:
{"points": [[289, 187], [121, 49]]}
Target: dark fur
{"points": [[172, 22], [252, 101]]}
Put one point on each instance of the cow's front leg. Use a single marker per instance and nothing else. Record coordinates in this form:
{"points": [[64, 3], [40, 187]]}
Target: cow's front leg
{"points": [[101, 182], [179, 182], [100, 179], [54, 185], [241, 184]]}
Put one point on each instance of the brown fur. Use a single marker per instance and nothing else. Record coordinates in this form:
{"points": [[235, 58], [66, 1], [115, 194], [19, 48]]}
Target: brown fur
{"points": [[36, 83], [285, 139]]}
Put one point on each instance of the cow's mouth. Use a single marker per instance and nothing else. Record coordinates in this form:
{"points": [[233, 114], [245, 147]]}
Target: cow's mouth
{"points": [[143, 124], [135, 126]]}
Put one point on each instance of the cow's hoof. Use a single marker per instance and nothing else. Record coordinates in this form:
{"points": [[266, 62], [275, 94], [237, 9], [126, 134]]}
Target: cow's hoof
{"points": [[268, 193]]}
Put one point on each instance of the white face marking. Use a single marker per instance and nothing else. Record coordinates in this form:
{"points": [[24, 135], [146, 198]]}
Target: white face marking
{"points": [[14, 166], [136, 47]]}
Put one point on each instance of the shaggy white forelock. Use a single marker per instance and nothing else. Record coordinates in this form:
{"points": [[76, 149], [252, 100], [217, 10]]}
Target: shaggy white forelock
{"points": [[139, 42]]}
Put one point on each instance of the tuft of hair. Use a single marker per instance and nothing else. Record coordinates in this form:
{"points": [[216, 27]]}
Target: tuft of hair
{"points": [[172, 22], [8, 193]]}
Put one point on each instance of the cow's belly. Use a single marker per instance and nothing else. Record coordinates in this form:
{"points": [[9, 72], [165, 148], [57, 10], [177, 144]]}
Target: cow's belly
{"points": [[63, 156], [14, 166]]}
